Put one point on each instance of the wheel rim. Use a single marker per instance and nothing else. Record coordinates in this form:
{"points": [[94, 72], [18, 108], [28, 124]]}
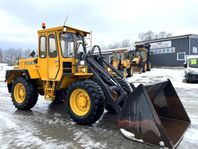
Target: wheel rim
{"points": [[19, 93], [80, 102]]}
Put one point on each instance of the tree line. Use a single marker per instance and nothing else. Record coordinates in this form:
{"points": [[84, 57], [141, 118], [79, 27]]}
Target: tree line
{"points": [[149, 35], [12, 55]]}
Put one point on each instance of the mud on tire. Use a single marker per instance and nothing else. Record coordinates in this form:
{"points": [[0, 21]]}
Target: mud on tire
{"points": [[96, 101], [31, 94]]}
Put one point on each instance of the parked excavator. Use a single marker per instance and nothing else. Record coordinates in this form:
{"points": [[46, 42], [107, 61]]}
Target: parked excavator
{"points": [[141, 60], [152, 114]]}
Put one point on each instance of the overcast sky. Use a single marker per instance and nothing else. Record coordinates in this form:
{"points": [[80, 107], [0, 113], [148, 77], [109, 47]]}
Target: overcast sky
{"points": [[110, 20]]}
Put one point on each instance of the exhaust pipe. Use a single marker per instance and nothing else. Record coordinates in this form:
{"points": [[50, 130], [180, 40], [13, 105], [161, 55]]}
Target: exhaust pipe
{"points": [[155, 115]]}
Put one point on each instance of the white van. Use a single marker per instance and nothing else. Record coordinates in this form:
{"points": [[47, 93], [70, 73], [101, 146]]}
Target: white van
{"points": [[191, 68]]}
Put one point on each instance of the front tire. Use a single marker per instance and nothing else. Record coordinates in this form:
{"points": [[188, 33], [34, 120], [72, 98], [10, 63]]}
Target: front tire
{"points": [[130, 72], [24, 94], [84, 102]]}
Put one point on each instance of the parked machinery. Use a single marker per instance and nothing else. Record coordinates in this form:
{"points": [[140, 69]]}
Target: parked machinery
{"points": [[122, 62], [191, 68], [152, 114], [141, 61]]}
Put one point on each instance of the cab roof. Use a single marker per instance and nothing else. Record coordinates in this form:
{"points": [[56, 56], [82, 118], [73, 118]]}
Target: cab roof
{"points": [[60, 28]]}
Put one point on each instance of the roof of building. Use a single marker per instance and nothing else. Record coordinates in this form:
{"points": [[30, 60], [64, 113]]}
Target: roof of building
{"points": [[108, 51], [168, 38]]}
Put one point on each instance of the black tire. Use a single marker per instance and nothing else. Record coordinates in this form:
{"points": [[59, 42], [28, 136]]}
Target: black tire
{"points": [[144, 67], [59, 96], [130, 72], [149, 66], [141, 70], [31, 95], [96, 101], [126, 86]]}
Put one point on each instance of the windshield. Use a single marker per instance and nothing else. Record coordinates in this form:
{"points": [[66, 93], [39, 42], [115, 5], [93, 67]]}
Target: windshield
{"points": [[68, 44], [115, 55], [193, 62], [125, 56]]}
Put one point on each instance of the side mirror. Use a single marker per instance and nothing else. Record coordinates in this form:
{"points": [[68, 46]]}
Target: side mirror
{"points": [[185, 65]]}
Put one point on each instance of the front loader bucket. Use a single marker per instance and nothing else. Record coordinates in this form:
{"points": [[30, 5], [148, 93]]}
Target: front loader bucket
{"points": [[154, 114]]}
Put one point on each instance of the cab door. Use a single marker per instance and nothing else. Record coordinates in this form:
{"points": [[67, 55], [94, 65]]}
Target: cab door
{"points": [[42, 59], [53, 59]]}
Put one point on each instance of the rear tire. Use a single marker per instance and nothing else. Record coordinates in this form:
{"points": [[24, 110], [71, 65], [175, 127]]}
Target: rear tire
{"points": [[144, 67], [24, 94], [149, 66], [129, 72], [87, 94]]}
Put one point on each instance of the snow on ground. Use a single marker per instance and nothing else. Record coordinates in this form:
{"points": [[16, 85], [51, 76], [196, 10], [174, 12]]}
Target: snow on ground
{"points": [[48, 125], [176, 75], [3, 68]]}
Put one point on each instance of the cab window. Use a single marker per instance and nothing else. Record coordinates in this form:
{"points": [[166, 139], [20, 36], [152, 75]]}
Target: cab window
{"points": [[67, 44], [52, 46], [42, 47]]}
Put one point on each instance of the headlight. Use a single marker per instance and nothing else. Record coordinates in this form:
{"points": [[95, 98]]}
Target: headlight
{"points": [[82, 62]]}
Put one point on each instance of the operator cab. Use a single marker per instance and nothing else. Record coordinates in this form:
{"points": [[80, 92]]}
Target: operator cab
{"points": [[59, 48]]}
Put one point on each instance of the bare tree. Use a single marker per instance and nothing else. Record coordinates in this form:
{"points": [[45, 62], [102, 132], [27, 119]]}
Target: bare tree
{"points": [[151, 35], [147, 36], [122, 44], [164, 34], [126, 43]]}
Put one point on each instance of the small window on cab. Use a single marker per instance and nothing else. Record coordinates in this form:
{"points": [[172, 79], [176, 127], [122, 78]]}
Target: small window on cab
{"points": [[52, 46], [42, 47]]}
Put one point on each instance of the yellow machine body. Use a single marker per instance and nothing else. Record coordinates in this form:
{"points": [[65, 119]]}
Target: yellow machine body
{"points": [[121, 61], [140, 63], [47, 71], [61, 72]]}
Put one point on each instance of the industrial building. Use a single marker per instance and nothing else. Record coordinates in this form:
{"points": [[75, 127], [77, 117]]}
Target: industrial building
{"points": [[165, 52], [172, 51], [107, 53]]}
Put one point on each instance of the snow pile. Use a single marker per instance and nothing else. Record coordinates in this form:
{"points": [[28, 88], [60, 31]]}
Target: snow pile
{"points": [[3, 68], [176, 75]]}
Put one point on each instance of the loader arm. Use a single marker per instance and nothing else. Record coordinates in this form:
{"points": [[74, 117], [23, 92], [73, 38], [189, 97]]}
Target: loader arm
{"points": [[106, 81]]}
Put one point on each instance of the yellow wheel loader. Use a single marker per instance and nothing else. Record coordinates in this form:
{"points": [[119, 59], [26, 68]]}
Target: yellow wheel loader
{"points": [[152, 114], [122, 62], [141, 63]]}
